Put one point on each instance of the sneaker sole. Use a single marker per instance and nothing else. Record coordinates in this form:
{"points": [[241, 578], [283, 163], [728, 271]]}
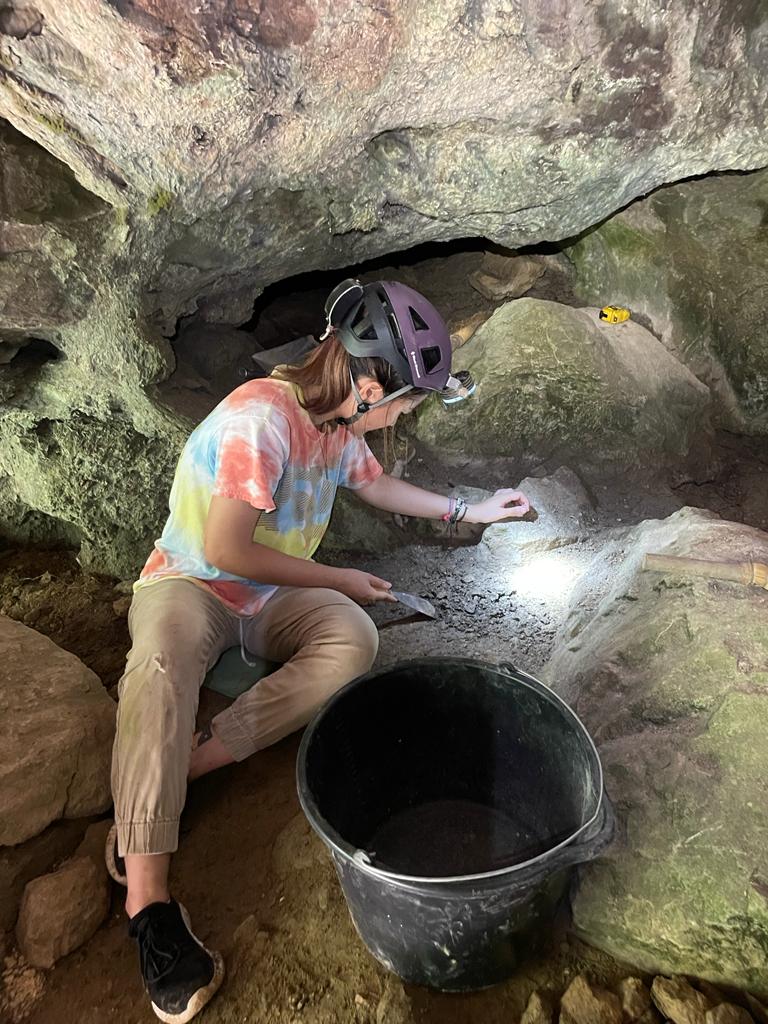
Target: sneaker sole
{"points": [[110, 858], [203, 995]]}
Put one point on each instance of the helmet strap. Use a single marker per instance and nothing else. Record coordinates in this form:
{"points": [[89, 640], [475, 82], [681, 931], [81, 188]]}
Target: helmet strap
{"points": [[363, 407]]}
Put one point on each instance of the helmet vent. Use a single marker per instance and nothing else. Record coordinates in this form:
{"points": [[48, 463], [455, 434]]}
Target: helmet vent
{"points": [[417, 321], [362, 325], [430, 357], [393, 324]]}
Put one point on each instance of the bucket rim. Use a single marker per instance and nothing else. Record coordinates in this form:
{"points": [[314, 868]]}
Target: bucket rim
{"points": [[359, 858]]}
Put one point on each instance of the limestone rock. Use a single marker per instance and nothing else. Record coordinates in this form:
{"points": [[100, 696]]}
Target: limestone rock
{"points": [[246, 156], [20, 864], [355, 526], [635, 998], [44, 215], [692, 261], [60, 911], [727, 1013], [562, 506], [555, 382], [668, 674], [583, 1003], [506, 277], [679, 1001], [56, 729], [538, 1010]]}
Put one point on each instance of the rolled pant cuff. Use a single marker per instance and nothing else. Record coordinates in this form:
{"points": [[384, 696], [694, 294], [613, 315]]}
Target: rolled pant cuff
{"points": [[232, 734], [147, 837]]}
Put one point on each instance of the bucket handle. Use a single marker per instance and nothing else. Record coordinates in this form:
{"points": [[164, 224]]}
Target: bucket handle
{"points": [[592, 843]]}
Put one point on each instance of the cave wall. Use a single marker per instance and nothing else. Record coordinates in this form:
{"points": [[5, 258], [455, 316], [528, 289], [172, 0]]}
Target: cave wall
{"points": [[691, 261], [163, 159]]}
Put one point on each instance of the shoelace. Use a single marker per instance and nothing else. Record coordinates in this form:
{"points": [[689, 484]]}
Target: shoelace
{"points": [[158, 952]]}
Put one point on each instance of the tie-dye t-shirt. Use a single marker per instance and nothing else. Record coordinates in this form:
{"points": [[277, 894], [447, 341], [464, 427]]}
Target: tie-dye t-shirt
{"points": [[258, 445]]}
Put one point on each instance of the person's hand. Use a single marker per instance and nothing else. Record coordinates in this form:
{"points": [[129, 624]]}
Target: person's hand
{"points": [[363, 587], [504, 504]]}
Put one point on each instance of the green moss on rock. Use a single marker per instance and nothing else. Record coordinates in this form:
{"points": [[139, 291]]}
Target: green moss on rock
{"points": [[693, 260], [553, 380], [674, 687]]}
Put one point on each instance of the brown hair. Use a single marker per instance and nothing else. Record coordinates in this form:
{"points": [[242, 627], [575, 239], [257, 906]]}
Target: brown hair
{"points": [[325, 373]]}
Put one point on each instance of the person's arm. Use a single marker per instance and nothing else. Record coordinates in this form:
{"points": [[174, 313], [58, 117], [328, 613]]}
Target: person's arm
{"points": [[393, 495], [229, 546]]}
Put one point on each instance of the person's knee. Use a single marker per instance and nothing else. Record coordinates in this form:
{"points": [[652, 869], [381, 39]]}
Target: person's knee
{"points": [[153, 679], [361, 637]]}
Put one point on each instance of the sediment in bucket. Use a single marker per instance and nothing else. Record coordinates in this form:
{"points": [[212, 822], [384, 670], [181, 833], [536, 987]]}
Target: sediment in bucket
{"points": [[454, 797]]}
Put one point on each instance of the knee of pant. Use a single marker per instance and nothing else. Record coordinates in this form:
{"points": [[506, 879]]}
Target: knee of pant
{"points": [[152, 678], [362, 637]]}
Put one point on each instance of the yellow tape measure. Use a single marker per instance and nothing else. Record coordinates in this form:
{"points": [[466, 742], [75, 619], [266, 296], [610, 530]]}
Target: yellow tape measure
{"points": [[614, 314]]}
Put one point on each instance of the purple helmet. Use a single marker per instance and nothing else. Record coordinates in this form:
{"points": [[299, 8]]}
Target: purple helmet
{"points": [[390, 321]]}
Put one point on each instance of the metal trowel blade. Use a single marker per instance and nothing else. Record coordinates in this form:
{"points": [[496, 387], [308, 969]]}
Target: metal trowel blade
{"points": [[419, 604]]}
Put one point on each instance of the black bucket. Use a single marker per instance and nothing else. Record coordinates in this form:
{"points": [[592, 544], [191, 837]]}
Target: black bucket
{"points": [[455, 796]]}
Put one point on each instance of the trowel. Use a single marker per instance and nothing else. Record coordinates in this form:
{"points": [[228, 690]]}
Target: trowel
{"points": [[419, 604]]}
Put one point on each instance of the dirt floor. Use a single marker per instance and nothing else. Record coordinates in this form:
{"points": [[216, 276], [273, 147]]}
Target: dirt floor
{"points": [[258, 884]]}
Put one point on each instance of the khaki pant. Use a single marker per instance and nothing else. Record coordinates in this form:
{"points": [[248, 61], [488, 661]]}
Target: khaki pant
{"points": [[179, 629]]}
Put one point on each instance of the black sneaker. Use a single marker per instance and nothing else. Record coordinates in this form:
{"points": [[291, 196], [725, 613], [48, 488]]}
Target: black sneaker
{"points": [[180, 974]]}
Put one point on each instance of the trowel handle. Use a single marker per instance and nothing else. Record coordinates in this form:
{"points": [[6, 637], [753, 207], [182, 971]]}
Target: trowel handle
{"points": [[754, 573]]}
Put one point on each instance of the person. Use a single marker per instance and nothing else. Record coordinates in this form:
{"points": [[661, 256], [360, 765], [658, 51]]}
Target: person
{"points": [[251, 499]]}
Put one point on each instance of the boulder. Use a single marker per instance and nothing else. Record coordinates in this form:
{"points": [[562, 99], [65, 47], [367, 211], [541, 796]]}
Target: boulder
{"points": [[60, 911], [88, 473], [669, 674], [57, 724], [506, 277], [20, 864], [563, 508], [556, 383], [691, 262]]}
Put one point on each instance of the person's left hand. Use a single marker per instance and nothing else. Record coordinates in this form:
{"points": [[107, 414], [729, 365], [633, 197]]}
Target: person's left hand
{"points": [[504, 504]]}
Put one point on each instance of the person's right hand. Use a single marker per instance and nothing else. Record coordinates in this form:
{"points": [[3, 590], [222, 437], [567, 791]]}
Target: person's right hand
{"points": [[362, 587]]}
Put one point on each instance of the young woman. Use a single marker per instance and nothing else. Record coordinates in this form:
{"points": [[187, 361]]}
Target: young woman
{"points": [[250, 502]]}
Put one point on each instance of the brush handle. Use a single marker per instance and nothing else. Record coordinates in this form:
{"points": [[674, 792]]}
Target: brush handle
{"points": [[754, 573]]}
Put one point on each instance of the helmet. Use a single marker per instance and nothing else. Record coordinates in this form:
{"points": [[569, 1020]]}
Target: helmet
{"points": [[388, 320], [391, 321]]}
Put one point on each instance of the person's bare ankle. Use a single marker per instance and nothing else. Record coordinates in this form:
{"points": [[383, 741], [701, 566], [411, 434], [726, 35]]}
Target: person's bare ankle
{"points": [[207, 754], [134, 904]]}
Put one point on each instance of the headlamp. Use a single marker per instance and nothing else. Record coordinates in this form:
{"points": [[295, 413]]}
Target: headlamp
{"points": [[458, 388]]}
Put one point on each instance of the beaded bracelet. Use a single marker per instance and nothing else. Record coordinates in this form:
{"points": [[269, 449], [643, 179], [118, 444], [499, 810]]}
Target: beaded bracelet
{"points": [[448, 517], [457, 509]]}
